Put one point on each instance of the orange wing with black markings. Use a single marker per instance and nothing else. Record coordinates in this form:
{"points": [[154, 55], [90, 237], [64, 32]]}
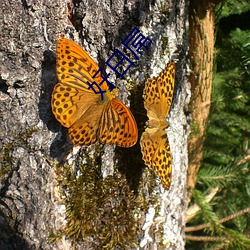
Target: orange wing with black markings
{"points": [[77, 107], [158, 94]]}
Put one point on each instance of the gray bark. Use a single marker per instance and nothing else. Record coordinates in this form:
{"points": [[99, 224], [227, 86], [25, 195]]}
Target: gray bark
{"points": [[32, 142]]}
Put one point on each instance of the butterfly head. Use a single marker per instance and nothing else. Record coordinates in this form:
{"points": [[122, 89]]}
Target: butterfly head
{"points": [[109, 95]]}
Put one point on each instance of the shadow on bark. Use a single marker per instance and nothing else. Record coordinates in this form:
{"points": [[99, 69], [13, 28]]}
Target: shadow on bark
{"points": [[9, 239], [130, 159], [61, 145]]}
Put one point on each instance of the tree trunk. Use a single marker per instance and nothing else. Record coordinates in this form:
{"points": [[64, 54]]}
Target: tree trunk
{"points": [[201, 40], [54, 196]]}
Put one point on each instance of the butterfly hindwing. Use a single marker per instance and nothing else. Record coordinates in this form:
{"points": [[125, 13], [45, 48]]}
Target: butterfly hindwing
{"points": [[156, 154], [118, 125]]}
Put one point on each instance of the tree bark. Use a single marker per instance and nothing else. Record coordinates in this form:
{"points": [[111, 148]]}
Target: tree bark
{"points": [[201, 40], [46, 184]]}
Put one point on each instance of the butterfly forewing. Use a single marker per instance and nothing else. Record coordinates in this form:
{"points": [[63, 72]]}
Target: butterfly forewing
{"points": [[158, 92], [63, 105], [167, 87], [69, 104], [75, 67]]}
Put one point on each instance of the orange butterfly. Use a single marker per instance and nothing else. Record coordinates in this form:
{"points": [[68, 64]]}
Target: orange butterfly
{"points": [[158, 93], [77, 107]]}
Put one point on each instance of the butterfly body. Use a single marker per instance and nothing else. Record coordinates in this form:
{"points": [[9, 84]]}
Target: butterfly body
{"points": [[88, 117], [158, 93], [157, 123]]}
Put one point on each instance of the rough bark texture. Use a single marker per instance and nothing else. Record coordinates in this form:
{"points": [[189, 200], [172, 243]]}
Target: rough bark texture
{"points": [[201, 40], [32, 142]]}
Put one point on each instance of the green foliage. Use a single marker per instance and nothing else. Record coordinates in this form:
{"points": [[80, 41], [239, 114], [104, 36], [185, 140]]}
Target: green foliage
{"points": [[218, 176], [230, 7], [207, 211], [226, 155]]}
